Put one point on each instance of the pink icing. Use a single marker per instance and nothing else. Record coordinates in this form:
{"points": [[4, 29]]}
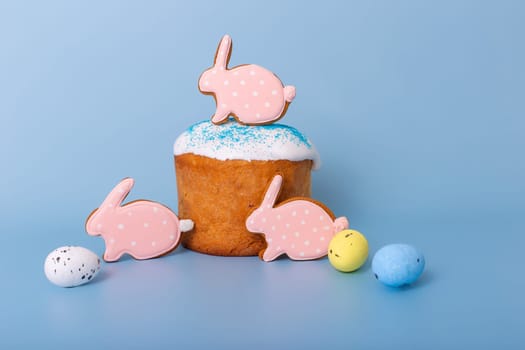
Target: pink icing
{"points": [[251, 93], [143, 229], [300, 228]]}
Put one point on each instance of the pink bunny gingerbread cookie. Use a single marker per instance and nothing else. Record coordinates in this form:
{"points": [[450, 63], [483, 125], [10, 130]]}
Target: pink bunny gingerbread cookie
{"points": [[251, 94], [299, 227], [144, 229]]}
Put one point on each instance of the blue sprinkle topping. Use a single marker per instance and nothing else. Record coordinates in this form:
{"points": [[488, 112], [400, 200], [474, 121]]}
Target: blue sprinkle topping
{"points": [[238, 134]]}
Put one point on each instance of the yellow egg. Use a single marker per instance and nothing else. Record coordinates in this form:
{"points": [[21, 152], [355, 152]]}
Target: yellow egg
{"points": [[348, 250]]}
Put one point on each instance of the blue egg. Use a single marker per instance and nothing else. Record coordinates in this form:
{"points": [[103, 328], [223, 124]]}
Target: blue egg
{"points": [[398, 264]]}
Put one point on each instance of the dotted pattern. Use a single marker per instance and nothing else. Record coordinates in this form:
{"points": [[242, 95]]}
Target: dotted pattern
{"points": [[299, 228], [250, 92], [143, 229]]}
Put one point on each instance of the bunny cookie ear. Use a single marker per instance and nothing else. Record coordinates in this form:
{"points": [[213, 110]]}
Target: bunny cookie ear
{"points": [[117, 194], [222, 57], [273, 191]]}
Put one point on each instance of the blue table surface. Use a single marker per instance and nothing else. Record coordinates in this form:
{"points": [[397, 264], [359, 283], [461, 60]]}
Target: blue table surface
{"points": [[471, 295], [415, 107]]}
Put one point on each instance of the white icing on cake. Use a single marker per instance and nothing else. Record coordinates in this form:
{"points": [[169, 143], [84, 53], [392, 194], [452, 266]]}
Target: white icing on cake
{"points": [[232, 140]]}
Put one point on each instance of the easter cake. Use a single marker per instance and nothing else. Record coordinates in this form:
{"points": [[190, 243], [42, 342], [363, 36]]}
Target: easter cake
{"points": [[222, 173], [224, 166]]}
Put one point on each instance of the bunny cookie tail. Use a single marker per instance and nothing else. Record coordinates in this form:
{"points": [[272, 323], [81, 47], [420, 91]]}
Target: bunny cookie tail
{"points": [[289, 93], [341, 224], [186, 225]]}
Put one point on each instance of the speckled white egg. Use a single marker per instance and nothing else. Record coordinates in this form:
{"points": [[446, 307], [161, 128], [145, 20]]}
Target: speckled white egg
{"points": [[71, 266]]}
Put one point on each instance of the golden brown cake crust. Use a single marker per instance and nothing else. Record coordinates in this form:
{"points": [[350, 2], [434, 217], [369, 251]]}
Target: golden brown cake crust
{"points": [[219, 195]]}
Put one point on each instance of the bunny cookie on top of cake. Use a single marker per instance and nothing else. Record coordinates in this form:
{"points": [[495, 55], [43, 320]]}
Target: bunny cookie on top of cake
{"points": [[251, 94]]}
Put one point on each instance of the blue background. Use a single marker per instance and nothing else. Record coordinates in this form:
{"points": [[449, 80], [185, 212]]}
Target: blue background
{"points": [[416, 107]]}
